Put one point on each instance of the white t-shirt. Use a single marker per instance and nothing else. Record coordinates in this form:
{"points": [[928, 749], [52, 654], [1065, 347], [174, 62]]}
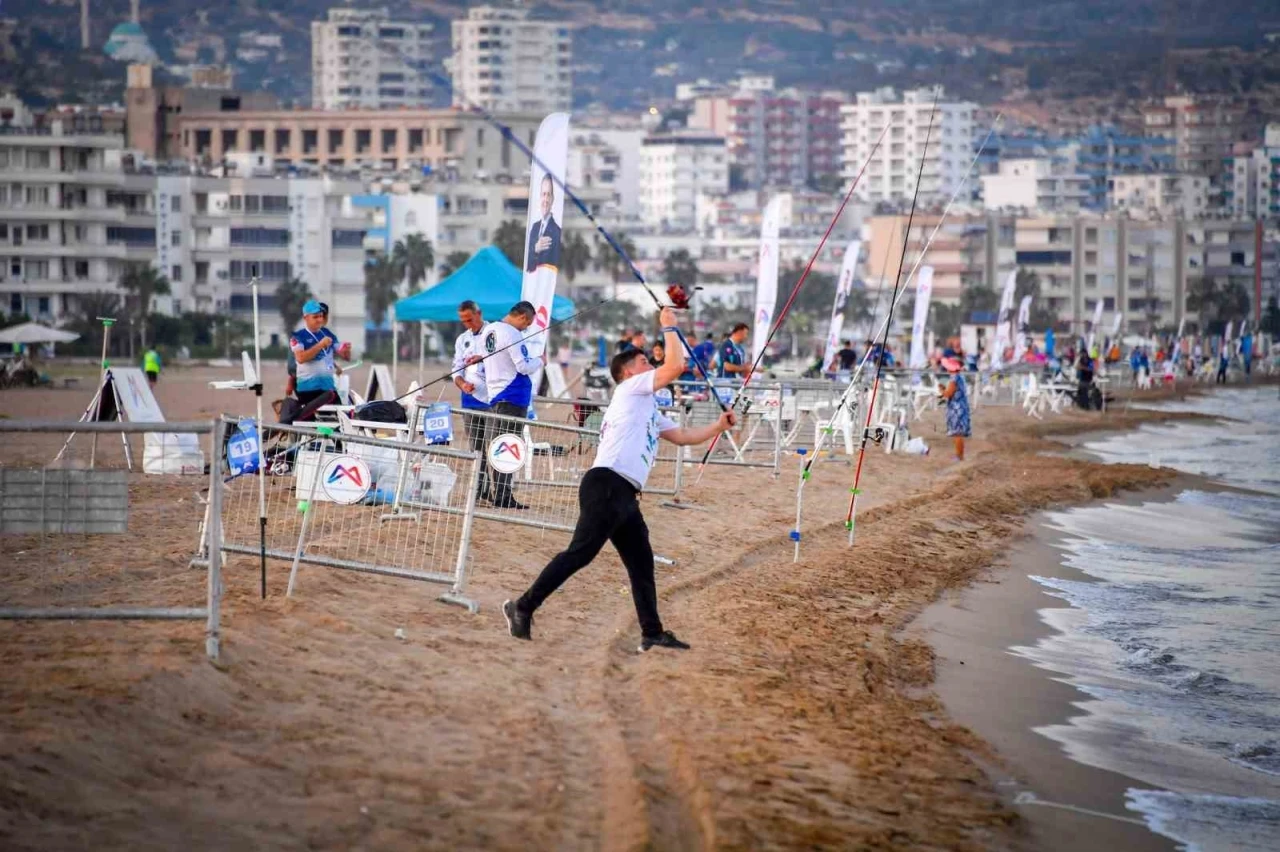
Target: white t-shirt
{"points": [[629, 433]]}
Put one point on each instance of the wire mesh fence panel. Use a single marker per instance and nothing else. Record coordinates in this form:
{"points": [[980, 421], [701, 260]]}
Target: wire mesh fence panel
{"points": [[757, 439], [532, 468], [84, 537], [353, 502]]}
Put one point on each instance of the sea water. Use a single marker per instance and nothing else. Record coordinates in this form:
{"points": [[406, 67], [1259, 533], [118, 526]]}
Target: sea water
{"points": [[1174, 640]]}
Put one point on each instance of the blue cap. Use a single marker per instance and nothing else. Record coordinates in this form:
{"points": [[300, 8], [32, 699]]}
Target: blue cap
{"points": [[311, 307]]}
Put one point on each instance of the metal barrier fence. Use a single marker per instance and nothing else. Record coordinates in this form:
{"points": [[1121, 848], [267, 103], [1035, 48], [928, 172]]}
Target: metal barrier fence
{"points": [[86, 540], [356, 503]]}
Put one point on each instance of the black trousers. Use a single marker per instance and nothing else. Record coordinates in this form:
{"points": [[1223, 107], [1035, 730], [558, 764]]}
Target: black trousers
{"points": [[609, 510], [479, 434], [513, 419]]}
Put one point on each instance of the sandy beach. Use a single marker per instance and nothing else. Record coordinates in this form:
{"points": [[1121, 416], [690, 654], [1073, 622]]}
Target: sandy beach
{"points": [[804, 716]]}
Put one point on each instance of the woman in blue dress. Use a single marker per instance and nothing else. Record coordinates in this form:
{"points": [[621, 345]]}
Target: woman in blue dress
{"points": [[957, 406]]}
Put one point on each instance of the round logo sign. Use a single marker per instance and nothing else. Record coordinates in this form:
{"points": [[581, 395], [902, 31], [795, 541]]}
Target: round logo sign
{"points": [[507, 453], [345, 479]]}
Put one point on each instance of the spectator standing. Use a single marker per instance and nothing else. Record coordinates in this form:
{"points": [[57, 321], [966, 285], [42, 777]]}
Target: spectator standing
{"points": [[732, 357], [507, 375], [469, 379]]}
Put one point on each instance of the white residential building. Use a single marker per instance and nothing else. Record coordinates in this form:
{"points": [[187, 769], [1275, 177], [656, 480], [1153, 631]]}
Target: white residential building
{"points": [[1035, 184], [675, 168], [1182, 196], [361, 59], [214, 234], [67, 223], [1253, 185], [608, 160], [505, 62], [891, 173]]}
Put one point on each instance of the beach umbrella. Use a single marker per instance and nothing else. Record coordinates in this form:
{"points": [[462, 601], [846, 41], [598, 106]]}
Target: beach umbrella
{"points": [[34, 332]]}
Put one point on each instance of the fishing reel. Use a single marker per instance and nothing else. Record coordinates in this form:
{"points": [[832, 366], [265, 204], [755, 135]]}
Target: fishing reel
{"points": [[680, 296]]}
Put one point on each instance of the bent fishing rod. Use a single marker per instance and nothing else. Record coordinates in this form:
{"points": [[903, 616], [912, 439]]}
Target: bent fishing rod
{"points": [[795, 291]]}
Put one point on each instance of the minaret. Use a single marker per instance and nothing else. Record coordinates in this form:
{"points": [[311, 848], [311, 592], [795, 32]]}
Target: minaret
{"points": [[84, 24], [133, 11]]}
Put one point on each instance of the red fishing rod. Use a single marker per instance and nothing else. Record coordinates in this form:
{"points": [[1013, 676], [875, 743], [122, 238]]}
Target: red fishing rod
{"points": [[884, 339], [795, 291]]}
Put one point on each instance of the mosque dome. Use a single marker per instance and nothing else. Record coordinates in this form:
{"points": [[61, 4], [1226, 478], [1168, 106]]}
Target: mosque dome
{"points": [[129, 43]]}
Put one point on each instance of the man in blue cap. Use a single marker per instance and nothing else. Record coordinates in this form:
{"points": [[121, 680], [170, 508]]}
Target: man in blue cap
{"points": [[313, 347]]}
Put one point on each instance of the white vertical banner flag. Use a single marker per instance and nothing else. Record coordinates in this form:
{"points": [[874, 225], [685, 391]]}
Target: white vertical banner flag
{"points": [[844, 286], [1093, 326], [767, 277], [1004, 320], [1115, 325], [1022, 344], [924, 291], [546, 215]]}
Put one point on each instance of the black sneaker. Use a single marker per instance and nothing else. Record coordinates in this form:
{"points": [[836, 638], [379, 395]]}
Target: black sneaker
{"points": [[519, 624], [508, 503], [665, 639]]}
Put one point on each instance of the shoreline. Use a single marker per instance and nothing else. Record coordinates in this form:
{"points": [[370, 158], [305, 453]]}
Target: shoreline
{"points": [[1067, 805]]}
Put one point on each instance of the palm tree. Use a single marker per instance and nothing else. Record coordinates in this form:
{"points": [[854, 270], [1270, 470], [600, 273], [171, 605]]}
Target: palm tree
{"points": [[381, 281], [680, 268], [453, 262], [575, 255], [291, 295], [143, 282], [414, 257], [509, 238], [608, 259]]}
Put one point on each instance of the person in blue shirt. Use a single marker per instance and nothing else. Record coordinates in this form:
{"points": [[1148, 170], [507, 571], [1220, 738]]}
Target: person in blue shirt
{"points": [[313, 348], [732, 362]]}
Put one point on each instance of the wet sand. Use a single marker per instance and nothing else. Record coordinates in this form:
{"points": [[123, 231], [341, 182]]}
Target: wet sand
{"points": [[802, 718]]}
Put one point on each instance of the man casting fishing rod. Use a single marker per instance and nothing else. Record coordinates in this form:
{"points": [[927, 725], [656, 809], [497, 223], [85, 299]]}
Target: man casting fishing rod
{"points": [[608, 498]]}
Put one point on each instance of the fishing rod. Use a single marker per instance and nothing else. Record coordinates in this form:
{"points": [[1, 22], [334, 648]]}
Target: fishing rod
{"points": [[946, 211], [508, 133], [898, 286], [795, 291]]}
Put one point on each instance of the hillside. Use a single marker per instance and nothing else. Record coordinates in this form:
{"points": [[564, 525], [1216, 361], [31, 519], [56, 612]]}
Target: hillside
{"points": [[629, 53]]}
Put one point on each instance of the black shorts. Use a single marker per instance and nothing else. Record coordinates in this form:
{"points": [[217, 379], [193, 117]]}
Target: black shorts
{"points": [[152, 375]]}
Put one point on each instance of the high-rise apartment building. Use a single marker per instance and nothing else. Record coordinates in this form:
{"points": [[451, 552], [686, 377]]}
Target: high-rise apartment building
{"points": [[775, 137], [1203, 131], [68, 221], [503, 61], [892, 168], [1253, 186], [361, 59], [675, 168]]}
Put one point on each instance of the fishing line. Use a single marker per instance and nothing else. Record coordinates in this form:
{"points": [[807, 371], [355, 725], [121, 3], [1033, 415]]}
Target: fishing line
{"points": [[795, 291]]}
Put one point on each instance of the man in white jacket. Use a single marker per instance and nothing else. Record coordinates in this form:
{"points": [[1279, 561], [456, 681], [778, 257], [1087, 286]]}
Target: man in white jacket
{"points": [[469, 379], [507, 378], [608, 498]]}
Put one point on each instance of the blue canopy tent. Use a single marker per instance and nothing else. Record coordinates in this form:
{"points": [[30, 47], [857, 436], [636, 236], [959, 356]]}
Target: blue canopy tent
{"points": [[488, 279]]}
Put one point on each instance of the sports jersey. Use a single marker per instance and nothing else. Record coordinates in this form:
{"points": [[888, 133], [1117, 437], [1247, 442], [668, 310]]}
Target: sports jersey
{"points": [[630, 429], [730, 353], [316, 374], [471, 343], [507, 372]]}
